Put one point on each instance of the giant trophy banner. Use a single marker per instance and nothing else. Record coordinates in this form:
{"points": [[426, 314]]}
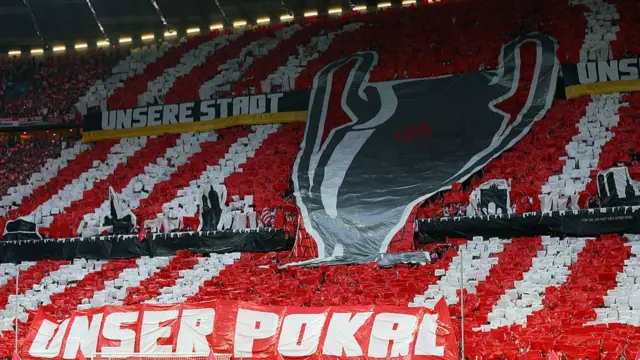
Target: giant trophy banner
{"points": [[404, 141], [245, 331]]}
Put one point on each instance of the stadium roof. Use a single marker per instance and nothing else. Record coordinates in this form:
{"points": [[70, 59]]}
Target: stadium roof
{"points": [[71, 21]]}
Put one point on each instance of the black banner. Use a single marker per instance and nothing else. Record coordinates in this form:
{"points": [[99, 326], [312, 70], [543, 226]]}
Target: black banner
{"points": [[601, 77], [582, 223], [404, 141], [192, 116], [120, 247], [21, 229]]}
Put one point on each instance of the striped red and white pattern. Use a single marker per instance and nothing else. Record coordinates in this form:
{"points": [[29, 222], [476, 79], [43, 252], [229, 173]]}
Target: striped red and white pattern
{"points": [[541, 294]]}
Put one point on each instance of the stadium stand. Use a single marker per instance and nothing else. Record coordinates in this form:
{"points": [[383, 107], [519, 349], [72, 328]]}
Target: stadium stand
{"points": [[523, 297], [51, 86]]}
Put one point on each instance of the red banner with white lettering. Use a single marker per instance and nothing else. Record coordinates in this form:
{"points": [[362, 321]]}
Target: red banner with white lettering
{"points": [[245, 331]]}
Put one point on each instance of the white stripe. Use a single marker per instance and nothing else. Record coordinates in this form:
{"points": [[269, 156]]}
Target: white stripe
{"points": [[115, 291], [158, 88], [8, 273], [232, 70], [622, 304], [478, 259], [132, 65], [238, 154], [192, 279], [583, 151], [47, 172], [549, 268], [56, 282], [74, 191], [316, 46], [187, 145], [600, 29]]}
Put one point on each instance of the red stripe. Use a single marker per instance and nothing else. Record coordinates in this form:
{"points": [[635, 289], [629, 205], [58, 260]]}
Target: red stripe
{"points": [[62, 304], [81, 164], [333, 285], [276, 155], [266, 65], [560, 325], [166, 277], [514, 261], [187, 88], [28, 278], [119, 179], [127, 96], [167, 190]]}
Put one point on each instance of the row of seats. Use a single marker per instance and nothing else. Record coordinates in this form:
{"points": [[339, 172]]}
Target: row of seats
{"points": [[126, 168], [210, 154], [623, 149], [146, 75], [188, 87]]}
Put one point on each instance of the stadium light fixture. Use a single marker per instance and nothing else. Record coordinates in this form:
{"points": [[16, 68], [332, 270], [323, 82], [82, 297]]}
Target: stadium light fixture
{"points": [[59, 48], [193, 30], [124, 40], [216, 27], [286, 17], [335, 11], [37, 51], [80, 46], [264, 20], [15, 52], [408, 2], [170, 33], [147, 37], [384, 5], [239, 23], [359, 8], [311, 13], [102, 43]]}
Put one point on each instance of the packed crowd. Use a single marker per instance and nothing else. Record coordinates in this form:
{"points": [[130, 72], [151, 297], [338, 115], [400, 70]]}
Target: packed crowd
{"points": [[50, 86], [19, 159]]}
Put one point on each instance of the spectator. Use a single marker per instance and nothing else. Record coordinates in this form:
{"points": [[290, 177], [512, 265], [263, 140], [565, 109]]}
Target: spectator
{"points": [[51, 86], [20, 159]]}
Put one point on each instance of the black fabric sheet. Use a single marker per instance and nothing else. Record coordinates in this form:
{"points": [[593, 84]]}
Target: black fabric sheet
{"points": [[494, 195], [21, 229], [583, 223], [406, 140], [616, 188], [117, 247]]}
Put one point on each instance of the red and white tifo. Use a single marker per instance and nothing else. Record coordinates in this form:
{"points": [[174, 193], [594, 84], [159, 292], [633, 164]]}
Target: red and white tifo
{"points": [[524, 298], [540, 297]]}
